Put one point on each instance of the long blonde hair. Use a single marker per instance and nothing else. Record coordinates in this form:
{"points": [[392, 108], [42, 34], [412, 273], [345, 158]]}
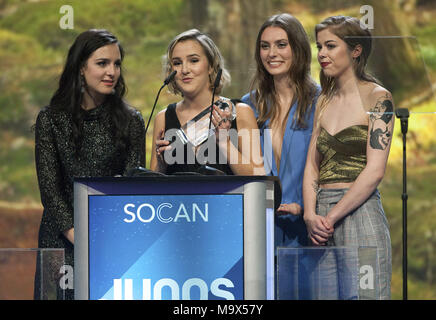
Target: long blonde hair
{"points": [[214, 57], [299, 73]]}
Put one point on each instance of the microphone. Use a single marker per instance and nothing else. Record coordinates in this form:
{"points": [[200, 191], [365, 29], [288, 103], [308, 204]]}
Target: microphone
{"points": [[166, 81], [142, 171], [170, 77], [218, 78]]}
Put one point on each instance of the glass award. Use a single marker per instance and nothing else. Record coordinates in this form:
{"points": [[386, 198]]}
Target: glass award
{"points": [[196, 131]]}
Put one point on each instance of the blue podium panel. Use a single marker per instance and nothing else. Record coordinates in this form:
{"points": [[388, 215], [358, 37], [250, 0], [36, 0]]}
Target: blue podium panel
{"points": [[166, 247], [174, 237]]}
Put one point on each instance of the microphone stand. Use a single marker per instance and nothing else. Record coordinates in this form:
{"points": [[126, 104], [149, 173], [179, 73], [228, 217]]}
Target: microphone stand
{"points": [[205, 169], [167, 80], [403, 115], [143, 172], [216, 84]]}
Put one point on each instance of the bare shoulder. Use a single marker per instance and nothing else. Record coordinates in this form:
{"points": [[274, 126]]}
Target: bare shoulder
{"points": [[159, 120], [161, 113], [377, 97], [243, 107], [321, 102], [245, 116], [245, 112], [380, 92]]}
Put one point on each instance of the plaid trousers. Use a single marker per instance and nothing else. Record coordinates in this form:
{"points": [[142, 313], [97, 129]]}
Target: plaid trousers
{"points": [[366, 226]]}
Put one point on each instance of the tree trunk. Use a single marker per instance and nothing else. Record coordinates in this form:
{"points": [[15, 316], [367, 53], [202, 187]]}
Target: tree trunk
{"points": [[199, 13], [233, 26]]}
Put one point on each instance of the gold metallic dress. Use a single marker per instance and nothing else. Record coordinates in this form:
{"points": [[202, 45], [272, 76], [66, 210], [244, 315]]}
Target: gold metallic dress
{"points": [[343, 154]]}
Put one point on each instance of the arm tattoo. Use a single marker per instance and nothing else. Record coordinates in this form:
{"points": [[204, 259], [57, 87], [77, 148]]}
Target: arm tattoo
{"points": [[381, 115]]}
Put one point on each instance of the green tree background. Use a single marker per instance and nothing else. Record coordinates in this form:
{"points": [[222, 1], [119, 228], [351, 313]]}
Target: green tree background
{"points": [[33, 48]]}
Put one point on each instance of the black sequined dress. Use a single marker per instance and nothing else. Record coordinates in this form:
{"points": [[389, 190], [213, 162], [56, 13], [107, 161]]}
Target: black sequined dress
{"points": [[57, 165]]}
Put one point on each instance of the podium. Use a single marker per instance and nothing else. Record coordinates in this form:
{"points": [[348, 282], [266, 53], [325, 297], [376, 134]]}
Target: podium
{"points": [[175, 237]]}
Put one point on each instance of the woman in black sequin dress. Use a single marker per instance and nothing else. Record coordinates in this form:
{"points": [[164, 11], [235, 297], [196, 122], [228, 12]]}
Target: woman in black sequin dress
{"points": [[88, 130]]}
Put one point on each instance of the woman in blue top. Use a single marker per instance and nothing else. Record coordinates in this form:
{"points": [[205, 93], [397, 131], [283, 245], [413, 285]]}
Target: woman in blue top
{"points": [[284, 95]]}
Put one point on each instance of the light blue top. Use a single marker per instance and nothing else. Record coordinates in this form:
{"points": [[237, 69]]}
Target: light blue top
{"points": [[290, 230]]}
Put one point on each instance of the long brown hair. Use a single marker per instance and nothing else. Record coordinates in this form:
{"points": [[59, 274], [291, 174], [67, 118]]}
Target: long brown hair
{"points": [[299, 72], [351, 32]]}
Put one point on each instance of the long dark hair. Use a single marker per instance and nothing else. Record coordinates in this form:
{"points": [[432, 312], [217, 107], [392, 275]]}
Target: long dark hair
{"points": [[299, 72], [68, 97]]}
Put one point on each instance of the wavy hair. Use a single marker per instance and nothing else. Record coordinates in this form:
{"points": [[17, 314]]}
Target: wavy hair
{"points": [[350, 31], [214, 57], [69, 96], [299, 72]]}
